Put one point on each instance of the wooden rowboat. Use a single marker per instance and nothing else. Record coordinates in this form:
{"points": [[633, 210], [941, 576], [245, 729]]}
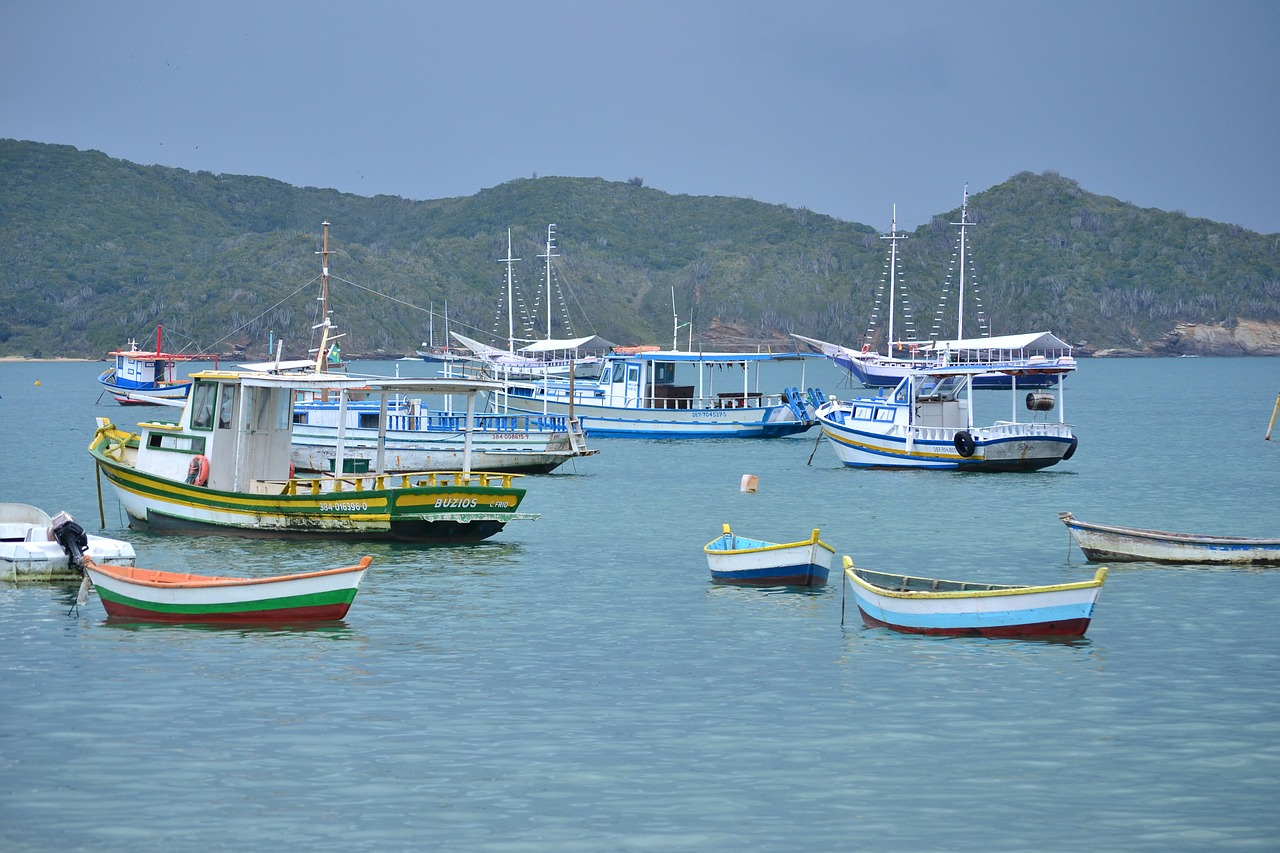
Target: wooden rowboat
{"points": [[1109, 542], [918, 605], [740, 560], [153, 596]]}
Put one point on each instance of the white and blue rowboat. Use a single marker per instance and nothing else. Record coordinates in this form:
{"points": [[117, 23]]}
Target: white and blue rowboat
{"points": [[1109, 542], [920, 605], [740, 560], [649, 393], [928, 422]]}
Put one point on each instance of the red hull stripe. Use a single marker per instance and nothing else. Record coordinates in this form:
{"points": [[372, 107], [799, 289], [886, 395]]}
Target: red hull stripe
{"points": [[1062, 628]]}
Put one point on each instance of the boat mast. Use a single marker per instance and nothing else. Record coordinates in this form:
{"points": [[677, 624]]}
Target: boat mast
{"points": [[551, 248], [511, 315], [325, 324], [963, 223], [893, 239]]}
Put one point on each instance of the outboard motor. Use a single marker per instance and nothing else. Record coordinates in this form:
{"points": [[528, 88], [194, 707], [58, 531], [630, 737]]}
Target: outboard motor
{"points": [[72, 538]]}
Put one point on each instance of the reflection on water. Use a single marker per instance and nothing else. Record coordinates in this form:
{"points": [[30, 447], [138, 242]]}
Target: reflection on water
{"points": [[578, 683]]}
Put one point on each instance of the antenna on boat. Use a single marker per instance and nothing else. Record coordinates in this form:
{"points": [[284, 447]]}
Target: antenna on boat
{"points": [[676, 325]]}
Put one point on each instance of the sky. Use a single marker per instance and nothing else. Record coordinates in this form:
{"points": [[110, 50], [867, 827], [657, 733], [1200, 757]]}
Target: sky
{"points": [[844, 107]]}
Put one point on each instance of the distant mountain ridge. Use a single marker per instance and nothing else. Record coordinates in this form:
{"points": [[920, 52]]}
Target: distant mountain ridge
{"points": [[99, 250]]}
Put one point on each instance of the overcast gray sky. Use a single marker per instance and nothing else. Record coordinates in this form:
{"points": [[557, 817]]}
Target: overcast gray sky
{"points": [[845, 108]]}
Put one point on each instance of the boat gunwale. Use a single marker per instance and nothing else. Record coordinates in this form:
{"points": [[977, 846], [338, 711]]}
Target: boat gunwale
{"points": [[764, 545], [991, 590], [1073, 523], [211, 581]]}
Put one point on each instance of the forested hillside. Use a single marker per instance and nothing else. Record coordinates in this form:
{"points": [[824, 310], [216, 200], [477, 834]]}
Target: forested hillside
{"points": [[99, 250]]}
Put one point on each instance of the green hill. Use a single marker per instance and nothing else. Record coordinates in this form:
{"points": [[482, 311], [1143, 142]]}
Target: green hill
{"points": [[100, 250]]}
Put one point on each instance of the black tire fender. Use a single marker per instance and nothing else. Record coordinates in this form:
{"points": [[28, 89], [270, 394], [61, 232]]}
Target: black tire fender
{"points": [[965, 445]]}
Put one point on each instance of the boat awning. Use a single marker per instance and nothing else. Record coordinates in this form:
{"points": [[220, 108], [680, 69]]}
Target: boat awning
{"points": [[717, 357], [591, 342], [1031, 342], [338, 381]]}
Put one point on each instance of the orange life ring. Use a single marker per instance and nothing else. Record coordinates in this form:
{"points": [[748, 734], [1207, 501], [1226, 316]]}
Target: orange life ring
{"points": [[866, 348], [198, 470]]}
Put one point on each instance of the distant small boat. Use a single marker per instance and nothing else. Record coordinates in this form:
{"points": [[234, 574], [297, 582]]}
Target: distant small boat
{"points": [[35, 546], [740, 560], [1109, 542], [154, 596], [147, 378], [919, 605]]}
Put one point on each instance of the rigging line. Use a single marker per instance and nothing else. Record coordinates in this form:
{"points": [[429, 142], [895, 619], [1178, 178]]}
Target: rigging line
{"points": [[266, 312], [333, 277]]}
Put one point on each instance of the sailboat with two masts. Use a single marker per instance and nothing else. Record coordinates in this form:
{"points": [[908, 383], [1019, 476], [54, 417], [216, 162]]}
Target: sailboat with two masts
{"points": [[1020, 359]]}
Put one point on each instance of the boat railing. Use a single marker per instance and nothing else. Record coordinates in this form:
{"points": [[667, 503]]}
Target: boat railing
{"points": [[483, 423], [997, 430], [356, 483], [1051, 428]]}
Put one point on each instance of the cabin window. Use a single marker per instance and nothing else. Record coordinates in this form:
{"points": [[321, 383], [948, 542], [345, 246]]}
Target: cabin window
{"points": [[619, 371], [284, 410], [664, 372], [368, 420], [203, 396], [183, 443], [900, 396], [862, 413], [884, 414], [224, 411]]}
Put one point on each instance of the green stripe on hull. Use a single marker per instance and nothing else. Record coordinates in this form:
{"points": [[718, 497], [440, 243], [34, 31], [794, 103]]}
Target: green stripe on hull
{"points": [[288, 602]]}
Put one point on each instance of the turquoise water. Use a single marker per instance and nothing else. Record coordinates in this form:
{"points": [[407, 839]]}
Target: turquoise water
{"points": [[577, 683]]}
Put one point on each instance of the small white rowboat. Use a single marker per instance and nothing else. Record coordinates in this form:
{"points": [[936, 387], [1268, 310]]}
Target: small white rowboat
{"points": [[1109, 542]]}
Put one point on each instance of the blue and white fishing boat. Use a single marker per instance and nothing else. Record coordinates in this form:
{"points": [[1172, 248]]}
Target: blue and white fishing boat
{"points": [[415, 437], [1122, 544], [928, 422], [921, 605], [755, 562], [637, 395], [148, 377]]}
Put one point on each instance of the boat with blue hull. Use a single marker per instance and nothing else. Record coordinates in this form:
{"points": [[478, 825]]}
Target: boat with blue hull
{"points": [[415, 437], [925, 605], [645, 392], [148, 377], [928, 422], [735, 559]]}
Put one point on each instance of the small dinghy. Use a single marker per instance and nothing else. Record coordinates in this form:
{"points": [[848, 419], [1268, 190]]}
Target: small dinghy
{"points": [[37, 547], [919, 605], [1112, 543], [153, 596], [740, 560]]}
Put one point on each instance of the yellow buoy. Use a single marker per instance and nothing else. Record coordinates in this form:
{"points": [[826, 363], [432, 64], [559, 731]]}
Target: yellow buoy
{"points": [[37, 383]]}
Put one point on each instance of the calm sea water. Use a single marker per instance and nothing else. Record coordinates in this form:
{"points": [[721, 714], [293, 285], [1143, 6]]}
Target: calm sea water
{"points": [[577, 683]]}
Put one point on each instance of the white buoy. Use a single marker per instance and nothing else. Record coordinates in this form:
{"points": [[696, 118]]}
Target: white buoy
{"points": [[750, 483]]}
